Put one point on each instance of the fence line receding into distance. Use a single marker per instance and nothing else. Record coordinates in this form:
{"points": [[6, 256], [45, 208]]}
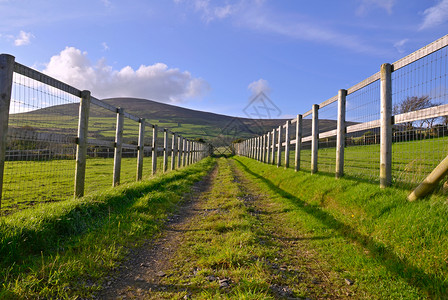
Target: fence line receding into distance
{"points": [[58, 141], [389, 128]]}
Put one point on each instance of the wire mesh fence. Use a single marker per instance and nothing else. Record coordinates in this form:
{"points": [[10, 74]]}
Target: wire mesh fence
{"points": [[362, 151], [328, 116], [421, 144], [40, 150], [394, 123], [46, 157]]}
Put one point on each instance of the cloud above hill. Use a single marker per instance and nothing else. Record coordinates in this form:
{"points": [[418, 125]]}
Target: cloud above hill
{"points": [[157, 82]]}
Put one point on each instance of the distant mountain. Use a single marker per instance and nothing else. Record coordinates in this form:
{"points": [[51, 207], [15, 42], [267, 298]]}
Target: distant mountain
{"points": [[214, 128]]}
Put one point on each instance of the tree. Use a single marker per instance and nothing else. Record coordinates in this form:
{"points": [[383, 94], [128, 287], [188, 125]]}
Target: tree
{"points": [[414, 103]]}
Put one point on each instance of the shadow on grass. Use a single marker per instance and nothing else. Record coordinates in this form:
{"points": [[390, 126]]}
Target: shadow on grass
{"points": [[53, 228], [401, 267]]}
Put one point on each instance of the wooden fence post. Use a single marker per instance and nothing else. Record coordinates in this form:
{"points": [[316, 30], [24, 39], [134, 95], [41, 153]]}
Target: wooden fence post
{"points": [[81, 147], [173, 151], [6, 78], [287, 141], [184, 146], [154, 149], [279, 147], [141, 148], [298, 142], [268, 148], [340, 138], [263, 148], [118, 146], [386, 126], [274, 138], [179, 151], [165, 150], [315, 140], [188, 152]]}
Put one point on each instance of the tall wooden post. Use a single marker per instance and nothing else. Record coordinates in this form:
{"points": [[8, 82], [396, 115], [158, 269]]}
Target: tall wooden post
{"points": [[141, 148], [287, 141], [154, 149], [81, 147], [118, 146], [268, 148], [179, 151], [298, 142], [6, 77], [173, 151], [340, 138], [274, 139], [386, 126], [184, 148], [263, 148], [165, 150], [188, 152], [315, 140], [279, 146]]}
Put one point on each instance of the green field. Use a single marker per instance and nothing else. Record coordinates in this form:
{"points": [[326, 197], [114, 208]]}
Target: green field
{"points": [[411, 161], [30, 182]]}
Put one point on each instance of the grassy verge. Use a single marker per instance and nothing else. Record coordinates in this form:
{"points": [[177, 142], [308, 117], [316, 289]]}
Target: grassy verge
{"points": [[391, 248], [63, 249]]}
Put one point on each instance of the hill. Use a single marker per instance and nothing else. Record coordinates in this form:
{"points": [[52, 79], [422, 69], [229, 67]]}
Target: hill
{"points": [[214, 128]]}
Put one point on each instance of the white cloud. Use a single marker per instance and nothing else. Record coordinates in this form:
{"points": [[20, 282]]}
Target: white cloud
{"points": [[156, 82], [400, 45], [105, 46], [366, 5], [211, 12], [24, 38], [435, 15], [259, 86]]}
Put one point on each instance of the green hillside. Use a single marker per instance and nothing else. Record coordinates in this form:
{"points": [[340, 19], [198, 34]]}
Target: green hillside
{"points": [[211, 127]]}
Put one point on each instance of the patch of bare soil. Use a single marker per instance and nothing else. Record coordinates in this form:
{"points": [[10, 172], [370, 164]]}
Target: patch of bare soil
{"points": [[147, 265]]}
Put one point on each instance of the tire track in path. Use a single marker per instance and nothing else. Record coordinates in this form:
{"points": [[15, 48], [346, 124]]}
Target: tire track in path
{"points": [[228, 241]]}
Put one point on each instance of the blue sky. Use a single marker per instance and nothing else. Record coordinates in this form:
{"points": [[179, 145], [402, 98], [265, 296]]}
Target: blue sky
{"points": [[216, 55]]}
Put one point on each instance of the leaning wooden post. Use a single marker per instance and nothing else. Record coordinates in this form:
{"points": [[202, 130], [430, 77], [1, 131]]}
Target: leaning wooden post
{"points": [[298, 142], [154, 149], [118, 146], [6, 78], [173, 151], [179, 151], [287, 141], [141, 148], [431, 181], [315, 140], [386, 126], [279, 146], [81, 147], [340, 138], [274, 139]]}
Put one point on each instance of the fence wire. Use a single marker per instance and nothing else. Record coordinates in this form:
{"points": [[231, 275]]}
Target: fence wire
{"points": [[362, 153], [305, 153], [100, 159], [42, 127], [420, 145], [328, 120]]}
